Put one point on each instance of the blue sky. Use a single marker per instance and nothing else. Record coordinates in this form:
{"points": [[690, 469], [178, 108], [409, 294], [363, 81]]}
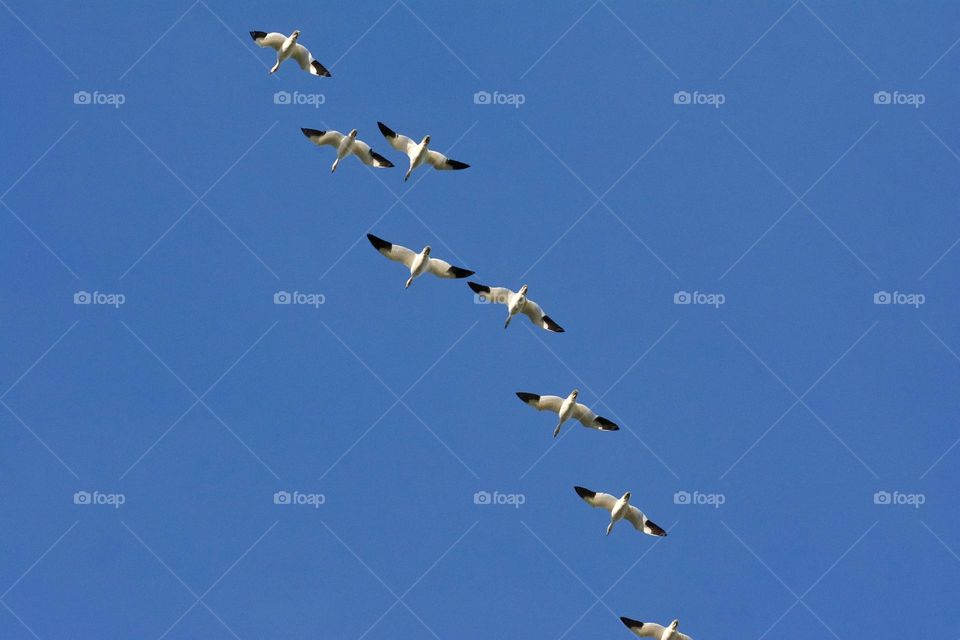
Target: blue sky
{"points": [[798, 404]]}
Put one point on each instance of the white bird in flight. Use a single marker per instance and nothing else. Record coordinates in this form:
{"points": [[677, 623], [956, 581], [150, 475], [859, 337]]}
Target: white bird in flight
{"points": [[654, 630], [418, 263], [517, 302], [620, 509], [419, 152], [347, 144], [567, 408], [288, 47]]}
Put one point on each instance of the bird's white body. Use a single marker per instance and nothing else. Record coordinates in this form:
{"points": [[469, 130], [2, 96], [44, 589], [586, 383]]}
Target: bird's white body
{"points": [[420, 264], [620, 508], [566, 410], [515, 305], [285, 50]]}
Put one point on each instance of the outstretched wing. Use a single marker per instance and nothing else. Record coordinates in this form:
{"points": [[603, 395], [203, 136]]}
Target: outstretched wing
{"points": [[439, 161], [499, 295], [594, 499], [307, 63], [444, 269], [363, 151], [395, 252], [644, 629], [533, 311], [541, 403], [272, 39], [398, 141], [319, 138], [642, 523], [589, 419]]}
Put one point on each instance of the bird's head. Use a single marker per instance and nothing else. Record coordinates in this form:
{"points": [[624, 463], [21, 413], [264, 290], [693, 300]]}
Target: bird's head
{"points": [[626, 497], [575, 393], [426, 250], [523, 290], [674, 624], [426, 140], [295, 34], [353, 133]]}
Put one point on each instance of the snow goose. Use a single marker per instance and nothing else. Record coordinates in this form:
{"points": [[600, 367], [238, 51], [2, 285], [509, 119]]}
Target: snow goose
{"points": [[619, 509], [347, 144], [288, 47], [419, 152], [418, 263], [567, 408], [517, 302]]}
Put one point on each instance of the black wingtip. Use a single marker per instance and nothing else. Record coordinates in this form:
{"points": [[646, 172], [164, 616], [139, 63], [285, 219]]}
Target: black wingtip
{"points": [[386, 164], [460, 273], [528, 397], [479, 288], [312, 132], [630, 622], [550, 325], [584, 493], [606, 425], [256, 35], [656, 529], [319, 69], [378, 243], [457, 165], [386, 131]]}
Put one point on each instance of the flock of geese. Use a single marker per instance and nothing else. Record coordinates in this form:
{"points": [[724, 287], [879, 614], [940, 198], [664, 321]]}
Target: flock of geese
{"points": [[517, 302]]}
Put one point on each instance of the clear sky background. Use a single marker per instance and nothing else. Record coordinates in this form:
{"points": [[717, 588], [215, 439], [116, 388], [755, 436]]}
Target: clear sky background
{"points": [[198, 398]]}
